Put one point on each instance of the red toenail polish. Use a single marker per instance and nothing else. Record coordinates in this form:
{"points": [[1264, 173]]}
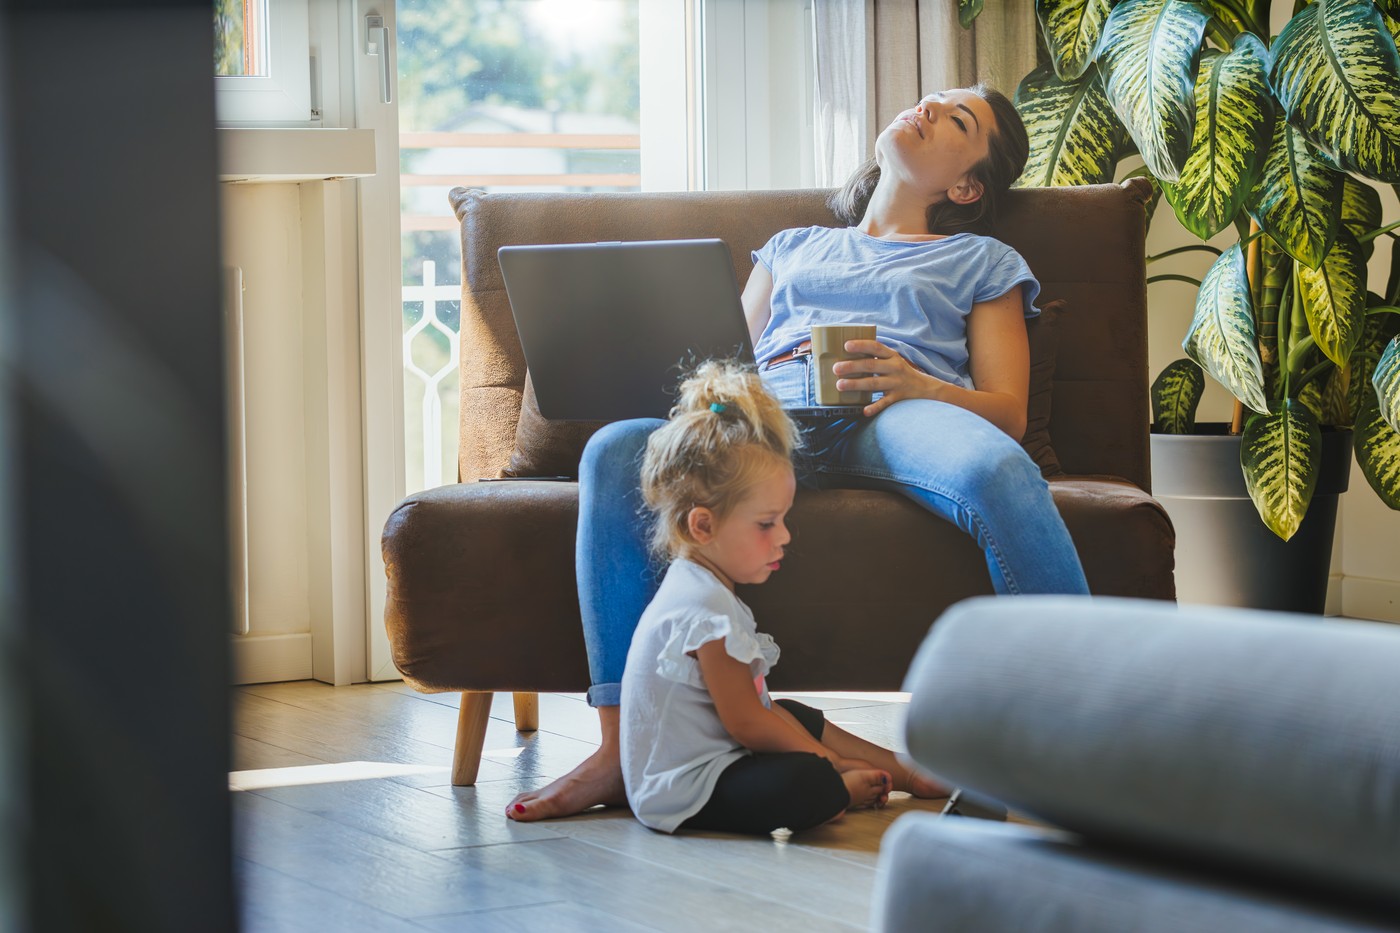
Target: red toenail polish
{"points": [[520, 808]]}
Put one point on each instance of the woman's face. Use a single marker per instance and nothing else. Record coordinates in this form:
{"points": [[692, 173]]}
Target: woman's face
{"points": [[933, 145]]}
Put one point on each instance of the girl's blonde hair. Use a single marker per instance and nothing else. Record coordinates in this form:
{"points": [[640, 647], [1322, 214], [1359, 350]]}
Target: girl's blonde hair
{"points": [[724, 432]]}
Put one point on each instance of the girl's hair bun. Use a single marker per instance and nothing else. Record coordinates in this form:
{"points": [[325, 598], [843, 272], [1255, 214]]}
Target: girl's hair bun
{"points": [[723, 426]]}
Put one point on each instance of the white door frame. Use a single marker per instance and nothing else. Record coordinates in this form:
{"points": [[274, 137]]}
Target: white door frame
{"points": [[381, 329]]}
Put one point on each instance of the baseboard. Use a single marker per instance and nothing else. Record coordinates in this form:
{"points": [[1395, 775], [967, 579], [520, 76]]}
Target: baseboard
{"points": [[1369, 598], [1335, 586], [262, 659]]}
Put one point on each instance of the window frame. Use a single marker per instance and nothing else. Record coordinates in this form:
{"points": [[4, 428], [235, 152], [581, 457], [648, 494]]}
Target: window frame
{"points": [[283, 95], [752, 113]]}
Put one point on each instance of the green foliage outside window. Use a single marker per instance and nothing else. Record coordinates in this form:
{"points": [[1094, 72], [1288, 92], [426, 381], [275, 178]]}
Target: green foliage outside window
{"points": [[228, 37]]}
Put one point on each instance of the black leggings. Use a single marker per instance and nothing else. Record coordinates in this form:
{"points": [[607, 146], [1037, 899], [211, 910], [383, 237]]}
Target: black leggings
{"points": [[763, 792]]}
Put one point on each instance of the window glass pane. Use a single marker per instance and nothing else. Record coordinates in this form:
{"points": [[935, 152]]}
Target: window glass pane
{"points": [[506, 95], [240, 38]]}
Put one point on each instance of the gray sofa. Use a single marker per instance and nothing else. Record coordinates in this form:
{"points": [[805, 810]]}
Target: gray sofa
{"points": [[1208, 769]]}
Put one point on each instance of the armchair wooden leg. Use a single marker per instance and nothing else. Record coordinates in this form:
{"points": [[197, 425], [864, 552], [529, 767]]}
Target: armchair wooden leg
{"points": [[527, 712], [472, 716]]}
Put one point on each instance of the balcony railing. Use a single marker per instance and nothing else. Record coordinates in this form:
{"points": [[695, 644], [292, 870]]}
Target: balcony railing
{"points": [[434, 425], [555, 141]]}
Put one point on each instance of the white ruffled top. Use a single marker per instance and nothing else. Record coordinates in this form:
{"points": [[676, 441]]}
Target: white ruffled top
{"points": [[674, 745]]}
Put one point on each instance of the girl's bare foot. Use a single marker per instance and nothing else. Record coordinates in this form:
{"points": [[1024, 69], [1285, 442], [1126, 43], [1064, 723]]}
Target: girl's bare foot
{"points": [[596, 780], [867, 788], [910, 779]]}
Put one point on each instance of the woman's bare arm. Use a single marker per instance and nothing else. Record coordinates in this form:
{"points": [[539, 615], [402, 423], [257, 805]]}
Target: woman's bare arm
{"points": [[999, 362], [758, 300]]}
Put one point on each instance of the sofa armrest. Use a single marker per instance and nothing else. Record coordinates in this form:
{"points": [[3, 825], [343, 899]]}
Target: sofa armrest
{"points": [[1125, 539], [481, 591], [1266, 741]]}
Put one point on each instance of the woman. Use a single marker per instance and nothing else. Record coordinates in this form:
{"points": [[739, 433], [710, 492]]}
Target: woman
{"points": [[952, 364]]}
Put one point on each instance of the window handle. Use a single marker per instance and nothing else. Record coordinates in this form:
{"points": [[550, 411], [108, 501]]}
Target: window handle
{"points": [[377, 45]]}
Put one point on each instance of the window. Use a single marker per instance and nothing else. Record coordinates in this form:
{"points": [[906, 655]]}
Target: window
{"points": [[262, 62], [577, 95]]}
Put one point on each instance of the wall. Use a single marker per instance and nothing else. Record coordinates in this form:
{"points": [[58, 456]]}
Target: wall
{"points": [[262, 236]]}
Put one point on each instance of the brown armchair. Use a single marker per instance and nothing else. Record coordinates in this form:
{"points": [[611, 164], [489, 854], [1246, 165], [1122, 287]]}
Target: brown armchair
{"points": [[481, 588]]}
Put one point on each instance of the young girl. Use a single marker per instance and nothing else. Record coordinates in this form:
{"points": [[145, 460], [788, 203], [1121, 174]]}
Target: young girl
{"points": [[703, 744]]}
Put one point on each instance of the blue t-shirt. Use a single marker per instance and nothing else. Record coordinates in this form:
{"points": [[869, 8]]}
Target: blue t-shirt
{"points": [[917, 294]]}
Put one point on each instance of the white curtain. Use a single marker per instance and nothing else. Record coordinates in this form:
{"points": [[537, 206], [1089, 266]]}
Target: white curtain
{"points": [[874, 58]]}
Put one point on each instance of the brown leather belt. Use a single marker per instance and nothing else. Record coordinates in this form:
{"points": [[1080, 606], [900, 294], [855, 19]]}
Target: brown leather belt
{"points": [[796, 353]]}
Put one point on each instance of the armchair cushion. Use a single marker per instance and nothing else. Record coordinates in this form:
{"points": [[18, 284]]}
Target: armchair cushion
{"points": [[544, 447]]}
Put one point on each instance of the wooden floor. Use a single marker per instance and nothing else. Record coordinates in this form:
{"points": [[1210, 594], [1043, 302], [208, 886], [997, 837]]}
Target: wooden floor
{"points": [[346, 819]]}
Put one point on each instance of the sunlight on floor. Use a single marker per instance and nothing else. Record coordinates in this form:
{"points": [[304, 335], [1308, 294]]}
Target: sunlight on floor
{"points": [[502, 753], [325, 774], [886, 697]]}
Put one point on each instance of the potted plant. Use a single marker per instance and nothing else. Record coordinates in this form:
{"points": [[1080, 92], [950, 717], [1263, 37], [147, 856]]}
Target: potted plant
{"points": [[1266, 134]]}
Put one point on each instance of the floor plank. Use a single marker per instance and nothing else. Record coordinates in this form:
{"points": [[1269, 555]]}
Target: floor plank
{"points": [[554, 917], [414, 816], [367, 868], [276, 903]]}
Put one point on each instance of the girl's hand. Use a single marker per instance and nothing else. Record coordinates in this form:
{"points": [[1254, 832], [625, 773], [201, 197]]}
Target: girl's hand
{"points": [[887, 372]]}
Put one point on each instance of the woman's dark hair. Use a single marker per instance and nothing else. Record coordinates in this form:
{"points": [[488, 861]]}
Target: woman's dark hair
{"points": [[1007, 150]]}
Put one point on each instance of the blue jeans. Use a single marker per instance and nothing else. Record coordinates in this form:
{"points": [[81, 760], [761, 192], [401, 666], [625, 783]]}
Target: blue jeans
{"points": [[952, 462]]}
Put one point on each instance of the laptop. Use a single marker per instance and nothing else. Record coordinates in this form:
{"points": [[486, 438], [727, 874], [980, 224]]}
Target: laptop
{"points": [[608, 329]]}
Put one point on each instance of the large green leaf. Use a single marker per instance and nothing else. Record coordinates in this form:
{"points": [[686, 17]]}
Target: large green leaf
{"points": [[1378, 452], [968, 11], [1334, 298], [1280, 454], [1148, 56], [1378, 331], [1073, 131], [1227, 15], [1361, 210], [1312, 399], [1234, 119], [1221, 336], [1297, 199], [1361, 206], [1072, 29], [1386, 381], [1175, 394], [1335, 408], [1337, 76]]}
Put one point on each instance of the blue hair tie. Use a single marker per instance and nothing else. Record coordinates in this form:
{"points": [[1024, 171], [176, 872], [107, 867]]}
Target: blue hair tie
{"points": [[716, 407]]}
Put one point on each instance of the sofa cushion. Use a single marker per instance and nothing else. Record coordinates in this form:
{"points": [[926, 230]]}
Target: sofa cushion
{"points": [[553, 448], [1043, 335], [943, 875], [1265, 741], [544, 447]]}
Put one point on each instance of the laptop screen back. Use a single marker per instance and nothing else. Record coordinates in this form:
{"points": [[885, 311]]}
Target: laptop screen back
{"points": [[609, 328]]}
